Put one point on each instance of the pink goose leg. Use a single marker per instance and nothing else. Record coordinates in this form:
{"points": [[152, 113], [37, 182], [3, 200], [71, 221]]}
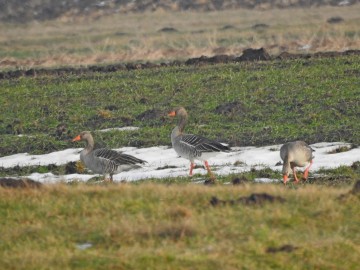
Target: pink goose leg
{"points": [[306, 172]]}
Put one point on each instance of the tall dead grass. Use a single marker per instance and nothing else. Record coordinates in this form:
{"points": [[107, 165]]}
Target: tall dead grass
{"points": [[138, 37]]}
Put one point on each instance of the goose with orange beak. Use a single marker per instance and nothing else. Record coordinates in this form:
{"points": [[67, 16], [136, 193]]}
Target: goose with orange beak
{"points": [[193, 147], [105, 161], [296, 154]]}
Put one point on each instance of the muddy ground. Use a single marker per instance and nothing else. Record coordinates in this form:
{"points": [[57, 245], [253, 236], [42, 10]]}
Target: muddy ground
{"points": [[248, 55]]}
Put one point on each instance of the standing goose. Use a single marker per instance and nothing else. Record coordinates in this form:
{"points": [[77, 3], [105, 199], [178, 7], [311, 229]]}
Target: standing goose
{"points": [[296, 154], [191, 146], [103, 160]]}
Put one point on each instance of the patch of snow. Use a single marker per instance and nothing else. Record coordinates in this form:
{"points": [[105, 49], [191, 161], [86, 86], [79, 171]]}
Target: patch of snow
{"points": [[305, 47], [84, 246], [344, 3], [25, 159], [119, 129], [163, 162], [266, 180]]}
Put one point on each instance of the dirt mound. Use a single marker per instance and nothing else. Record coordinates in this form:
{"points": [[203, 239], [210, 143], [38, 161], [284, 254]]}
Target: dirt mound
{"points": [[248, 55], [19, 183], [253, 199], [284, 248], [231, 108]]}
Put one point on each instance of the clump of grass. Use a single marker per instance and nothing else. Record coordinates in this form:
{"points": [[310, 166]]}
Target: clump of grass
{"points": [[341, 149]]}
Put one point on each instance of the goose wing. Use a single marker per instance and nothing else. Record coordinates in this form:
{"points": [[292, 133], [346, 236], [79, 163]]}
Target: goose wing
{"points": [[117, 158], [202, 144]]}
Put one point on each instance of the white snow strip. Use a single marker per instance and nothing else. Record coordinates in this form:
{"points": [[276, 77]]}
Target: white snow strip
{"points": [[164, 162], [266, 180], [120, 129], [24, 159]]}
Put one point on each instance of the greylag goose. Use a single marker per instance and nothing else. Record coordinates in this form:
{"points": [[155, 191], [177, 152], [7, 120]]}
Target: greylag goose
{"points": [[103, 160], [192, 146], [296, 154]]}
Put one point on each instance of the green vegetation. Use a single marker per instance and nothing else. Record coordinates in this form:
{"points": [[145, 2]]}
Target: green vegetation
{"points": [[170, 223], [253, 103], [175, 227]]}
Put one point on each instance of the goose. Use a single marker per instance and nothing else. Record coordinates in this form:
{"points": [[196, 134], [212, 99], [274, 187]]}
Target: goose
{"points": [[193, 147], [105, 161], [296, 154]]}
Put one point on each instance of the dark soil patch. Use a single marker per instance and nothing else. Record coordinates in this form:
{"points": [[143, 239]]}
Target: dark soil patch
{"points": [[227, 27], [154, 117], [239, 180], [97, 121], [232, 108], [70, 168], [248, 55], [19, 183], [111, 107], [168, 30], [284, 248], [253, 199], [62, 132], [260, 26], [217, 59], [253, 55], [209, 182], [334, 20], [15, 128]]}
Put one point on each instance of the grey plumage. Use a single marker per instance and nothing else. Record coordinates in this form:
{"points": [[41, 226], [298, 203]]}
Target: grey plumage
{"points": [[192, 146], [103, 160], [296, 154]]}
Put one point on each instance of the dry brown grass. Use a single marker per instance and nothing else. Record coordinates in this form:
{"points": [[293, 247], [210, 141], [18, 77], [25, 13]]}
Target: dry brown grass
{"points": [[135, 37]]}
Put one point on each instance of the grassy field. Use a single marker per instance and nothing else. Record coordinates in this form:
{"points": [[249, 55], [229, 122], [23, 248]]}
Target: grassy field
{"points": [[175, 227], [254, 103], [241, 104], [139, 37], [170, 223]]}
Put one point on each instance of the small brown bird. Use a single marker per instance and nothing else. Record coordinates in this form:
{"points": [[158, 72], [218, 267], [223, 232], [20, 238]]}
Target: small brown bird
{"points": [[296, 154], [192, 146]]}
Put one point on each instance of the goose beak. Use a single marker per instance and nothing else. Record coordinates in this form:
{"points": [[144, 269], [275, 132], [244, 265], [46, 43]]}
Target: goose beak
{"points": [[285, 178], [77, 138], [172, 113]]}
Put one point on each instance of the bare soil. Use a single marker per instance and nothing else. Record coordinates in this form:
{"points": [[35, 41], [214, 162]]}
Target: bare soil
{"points": [[248, 55]]}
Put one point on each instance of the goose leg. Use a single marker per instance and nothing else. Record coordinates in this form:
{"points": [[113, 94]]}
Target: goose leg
{"points": [[212, 177], [306, 172], [294, 172], [285, 179], [192, 166]]}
